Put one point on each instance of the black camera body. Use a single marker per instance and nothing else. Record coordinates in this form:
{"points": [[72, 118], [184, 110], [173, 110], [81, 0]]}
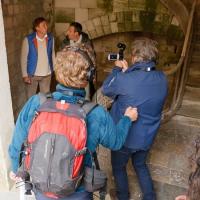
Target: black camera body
{"points": [[118, 56]]}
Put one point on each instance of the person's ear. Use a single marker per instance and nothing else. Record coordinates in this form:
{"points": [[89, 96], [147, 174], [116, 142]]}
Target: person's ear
{"points": [[76, 34]]}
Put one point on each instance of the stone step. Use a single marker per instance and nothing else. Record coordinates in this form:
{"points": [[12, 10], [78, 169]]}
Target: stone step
{"points": [[194, 71], [195, 58], [192, 94], [190, 106], [190, 109], [196, 46], [196, 53], [194, 65]]}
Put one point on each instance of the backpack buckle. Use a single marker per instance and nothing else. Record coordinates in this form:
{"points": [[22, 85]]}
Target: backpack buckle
{"points": [[81, 152]]}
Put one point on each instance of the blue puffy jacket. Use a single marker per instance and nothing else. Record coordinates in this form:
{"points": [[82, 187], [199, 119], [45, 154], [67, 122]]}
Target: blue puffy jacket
{"points": [[33, 54]]}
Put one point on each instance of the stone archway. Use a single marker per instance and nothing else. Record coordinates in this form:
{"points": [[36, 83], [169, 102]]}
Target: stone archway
{"points": [[6, 112], [130, 21]]}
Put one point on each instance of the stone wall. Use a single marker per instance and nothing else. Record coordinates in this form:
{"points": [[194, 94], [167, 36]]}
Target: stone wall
{"points": [[110, 22], [18, 16], [103, 17], [6, 115]]}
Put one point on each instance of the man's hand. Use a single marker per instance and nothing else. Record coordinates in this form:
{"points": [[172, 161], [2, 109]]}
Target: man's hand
{"points": [[122, 64], [14, 177], [131, 113], [27, 79], [181, 197]]}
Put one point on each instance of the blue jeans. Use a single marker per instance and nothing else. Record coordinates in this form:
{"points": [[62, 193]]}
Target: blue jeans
{"points": [[119, 161], [75, 196]]}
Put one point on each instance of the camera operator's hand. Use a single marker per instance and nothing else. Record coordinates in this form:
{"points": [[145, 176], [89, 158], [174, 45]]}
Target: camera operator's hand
{"points": [[122, 64], [14, 177], [131, 113]]}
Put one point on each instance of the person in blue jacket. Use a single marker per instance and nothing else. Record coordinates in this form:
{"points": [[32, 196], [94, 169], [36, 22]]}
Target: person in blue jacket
{"points": [[139, 85], [71, 72], [37, 58]]}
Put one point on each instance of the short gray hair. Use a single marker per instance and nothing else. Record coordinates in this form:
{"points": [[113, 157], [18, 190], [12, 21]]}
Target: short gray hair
{"points": [[144, 49]]}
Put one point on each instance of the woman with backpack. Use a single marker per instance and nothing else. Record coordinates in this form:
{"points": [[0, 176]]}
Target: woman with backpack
{"points": [[72, 73]]}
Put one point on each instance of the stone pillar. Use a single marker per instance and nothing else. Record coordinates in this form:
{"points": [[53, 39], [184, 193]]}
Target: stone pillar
{"points": [[6, 111]]}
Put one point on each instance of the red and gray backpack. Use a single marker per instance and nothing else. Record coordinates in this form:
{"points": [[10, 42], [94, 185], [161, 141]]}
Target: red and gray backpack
{"points": [[56, 146]]}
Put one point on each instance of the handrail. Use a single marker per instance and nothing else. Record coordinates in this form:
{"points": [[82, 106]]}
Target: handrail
{"points": [[185, 44], [182, 62]]}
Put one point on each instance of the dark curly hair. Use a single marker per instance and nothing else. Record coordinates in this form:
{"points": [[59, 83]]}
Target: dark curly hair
{"points": [[37, 21]]}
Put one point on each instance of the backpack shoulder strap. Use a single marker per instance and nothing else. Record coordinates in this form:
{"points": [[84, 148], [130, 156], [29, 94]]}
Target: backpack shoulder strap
{"points": [[88, 106], [44, 96]]}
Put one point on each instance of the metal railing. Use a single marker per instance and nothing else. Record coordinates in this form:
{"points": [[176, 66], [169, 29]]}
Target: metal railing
{"points": [[180, 70]]}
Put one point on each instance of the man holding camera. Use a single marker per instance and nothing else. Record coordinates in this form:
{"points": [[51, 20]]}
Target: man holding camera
{"points": [[141, 86]]}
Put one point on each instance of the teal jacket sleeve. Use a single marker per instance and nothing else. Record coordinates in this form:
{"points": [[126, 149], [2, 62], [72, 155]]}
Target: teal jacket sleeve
{"points": [[102, 130], [21, 130]]}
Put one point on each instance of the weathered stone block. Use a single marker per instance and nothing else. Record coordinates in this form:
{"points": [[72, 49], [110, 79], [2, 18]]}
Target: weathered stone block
{"points": [[137, 27], [88, 3], [10, 9], [136, 4], [6, 1], [136, 16], [120, 5], [121, 27], [90, 26], [95, 12], [178, 178], [112, 17], [97, 21], [114, 27], [107, 30], [65, 15], [105, 20], [99, 30], [61, 28], [67, 4], [84, 27], [8, 22], [120, 17], [159, 173], [81, 14], [93, 34], [128, 15], [174, 21], [160, 158], [128, 26]]}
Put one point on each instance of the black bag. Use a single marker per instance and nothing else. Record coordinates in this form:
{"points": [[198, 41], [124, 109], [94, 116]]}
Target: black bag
{"points": [[94, 178]]}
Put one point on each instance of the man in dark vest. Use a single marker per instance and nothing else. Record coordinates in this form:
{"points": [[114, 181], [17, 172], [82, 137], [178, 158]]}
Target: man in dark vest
{"points": [[142, 86], [37, 58]]}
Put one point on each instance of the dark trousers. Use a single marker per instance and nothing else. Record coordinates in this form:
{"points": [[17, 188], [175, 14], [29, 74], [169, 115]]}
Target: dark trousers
{"points": [[119, 161]]}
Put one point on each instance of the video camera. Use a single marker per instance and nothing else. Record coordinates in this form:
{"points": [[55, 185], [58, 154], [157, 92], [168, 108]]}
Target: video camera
{"points": [[118, 56]]}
